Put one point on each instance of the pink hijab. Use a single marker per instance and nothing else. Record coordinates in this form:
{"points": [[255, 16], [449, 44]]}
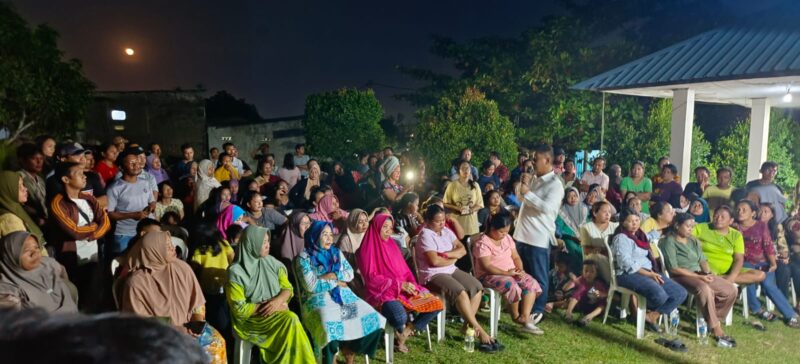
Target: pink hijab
{"points": [[324, 210], [382, 265]]}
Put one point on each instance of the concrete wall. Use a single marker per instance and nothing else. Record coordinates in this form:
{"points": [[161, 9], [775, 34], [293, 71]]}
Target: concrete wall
{"points": [[169, 118], [248, 137]]}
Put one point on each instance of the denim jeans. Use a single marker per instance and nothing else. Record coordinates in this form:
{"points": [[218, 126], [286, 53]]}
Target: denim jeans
{"points": [[536, 262], [663, 298], [770, 289], [118, 245]]}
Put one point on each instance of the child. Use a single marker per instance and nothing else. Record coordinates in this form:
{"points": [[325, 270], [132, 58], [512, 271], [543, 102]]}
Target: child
{"points": [[562, 282], [588, 296]]}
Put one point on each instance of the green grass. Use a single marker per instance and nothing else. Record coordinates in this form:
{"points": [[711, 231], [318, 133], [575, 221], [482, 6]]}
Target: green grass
{"points": [[614, 342]]}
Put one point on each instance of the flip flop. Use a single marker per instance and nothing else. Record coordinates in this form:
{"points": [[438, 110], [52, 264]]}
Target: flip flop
{"points": [[653, 327], [758, 326], [674, 345]]}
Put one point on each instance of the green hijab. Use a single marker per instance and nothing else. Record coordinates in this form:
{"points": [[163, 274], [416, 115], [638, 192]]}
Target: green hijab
{"points": [[256, 274], [9, 202]]}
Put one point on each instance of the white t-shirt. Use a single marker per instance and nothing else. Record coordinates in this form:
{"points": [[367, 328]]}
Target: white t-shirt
{"points": [[86, 249]]}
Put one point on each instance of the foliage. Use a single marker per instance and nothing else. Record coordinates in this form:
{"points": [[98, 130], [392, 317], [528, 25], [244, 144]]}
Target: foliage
{"points": [[731, 150], [634, 136], [225, 105], [39, 90], [343, 122], [463, 120]]}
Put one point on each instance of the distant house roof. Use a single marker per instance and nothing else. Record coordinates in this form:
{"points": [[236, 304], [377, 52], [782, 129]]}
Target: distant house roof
{"points": [[726, 65], [235, 121]]}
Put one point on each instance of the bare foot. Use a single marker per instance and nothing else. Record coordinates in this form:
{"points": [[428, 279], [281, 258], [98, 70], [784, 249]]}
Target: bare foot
{"points": [[349, 357]]}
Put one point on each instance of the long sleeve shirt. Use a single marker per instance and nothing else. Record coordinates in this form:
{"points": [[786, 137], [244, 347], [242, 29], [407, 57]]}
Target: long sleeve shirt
{"points": [[536, 222], [628, 257]]}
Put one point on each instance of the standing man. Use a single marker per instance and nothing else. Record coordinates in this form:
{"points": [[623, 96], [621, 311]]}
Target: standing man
{"points": [[536, 223], [31, 160], [765, 190], [77, 222], [301, 159], [596, 176], [183, 166], [130, 199], [720, 194], [500, 169]]}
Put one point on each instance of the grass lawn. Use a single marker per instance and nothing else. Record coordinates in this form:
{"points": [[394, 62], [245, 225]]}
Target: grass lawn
{"points": [[612, 343]]}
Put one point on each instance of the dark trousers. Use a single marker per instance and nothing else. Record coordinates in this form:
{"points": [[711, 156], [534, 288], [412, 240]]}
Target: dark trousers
{"points": [[536, 262], [397, 316], [785, 272]]}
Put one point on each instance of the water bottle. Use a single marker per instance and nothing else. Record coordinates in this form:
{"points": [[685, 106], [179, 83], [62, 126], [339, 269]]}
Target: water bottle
{"points": [[469, 340], [702, 330], [674, 321]]}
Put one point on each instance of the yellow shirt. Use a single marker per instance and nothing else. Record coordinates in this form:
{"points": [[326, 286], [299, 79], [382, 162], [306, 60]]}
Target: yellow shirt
{"points": [[214, 268], [222, 174]]}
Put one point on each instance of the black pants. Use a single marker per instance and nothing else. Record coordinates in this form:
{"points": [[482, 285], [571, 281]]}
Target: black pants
{"points": [[785, 272]]}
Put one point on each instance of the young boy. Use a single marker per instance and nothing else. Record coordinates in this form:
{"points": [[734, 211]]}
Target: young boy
{"points": [[589, 295], [720, 194], [562, 282]]}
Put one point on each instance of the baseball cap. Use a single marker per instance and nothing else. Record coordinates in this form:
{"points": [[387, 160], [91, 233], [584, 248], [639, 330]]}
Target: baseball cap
{"points": [[69, 149]]}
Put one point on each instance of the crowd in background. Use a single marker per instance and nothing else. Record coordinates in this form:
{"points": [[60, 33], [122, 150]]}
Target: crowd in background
{"points": [[308, 258]]}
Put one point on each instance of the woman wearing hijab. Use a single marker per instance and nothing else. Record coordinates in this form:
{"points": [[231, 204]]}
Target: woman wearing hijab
{"points": [[205, 183], [153, 165], [596, 194], [344, 185], [699, 209], [292, 242], [328, 211], [258, 291], [12, 215], [163, 286], [571, 216], [231, 215], [389, 284], [41, 281], [350, 241], [327, 302], [391, 189]]}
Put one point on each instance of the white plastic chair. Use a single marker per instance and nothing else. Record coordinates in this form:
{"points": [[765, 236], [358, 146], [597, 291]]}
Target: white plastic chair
{"points": [[184, 249], [495, 299], [441, 318], [641, 309], [242, 351]]}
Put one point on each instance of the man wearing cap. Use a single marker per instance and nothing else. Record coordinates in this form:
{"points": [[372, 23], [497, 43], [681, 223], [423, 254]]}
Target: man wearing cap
{"points": [[75, 153], [143, 175], [130, 199]]}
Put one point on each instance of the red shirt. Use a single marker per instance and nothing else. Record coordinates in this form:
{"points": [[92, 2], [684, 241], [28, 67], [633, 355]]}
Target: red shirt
{"points": [[106, 173], [501, 172]]}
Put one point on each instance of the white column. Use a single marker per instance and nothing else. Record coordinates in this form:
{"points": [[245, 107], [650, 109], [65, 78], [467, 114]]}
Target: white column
{"points": [[680, 145], [759, 137]]}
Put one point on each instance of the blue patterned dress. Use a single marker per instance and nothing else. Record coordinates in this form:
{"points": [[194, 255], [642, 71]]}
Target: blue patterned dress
{"points": [[327, 320]]}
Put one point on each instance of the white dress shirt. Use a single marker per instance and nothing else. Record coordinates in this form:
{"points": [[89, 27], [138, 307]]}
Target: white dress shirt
{"points": [[536, 221]]}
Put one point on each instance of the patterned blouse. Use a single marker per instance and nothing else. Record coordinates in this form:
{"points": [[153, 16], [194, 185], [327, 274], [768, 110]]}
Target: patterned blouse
{"points": [[757, 243]]}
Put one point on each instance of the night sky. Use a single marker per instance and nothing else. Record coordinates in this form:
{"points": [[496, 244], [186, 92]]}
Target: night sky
{"points": [[272, 53]]}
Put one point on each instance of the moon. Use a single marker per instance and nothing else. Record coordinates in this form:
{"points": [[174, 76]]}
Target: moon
{"points": [[129, 51]]}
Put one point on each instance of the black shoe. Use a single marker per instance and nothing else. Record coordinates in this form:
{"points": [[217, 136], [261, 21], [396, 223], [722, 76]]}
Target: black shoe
{"points": [[488, 348], [498, 345]]}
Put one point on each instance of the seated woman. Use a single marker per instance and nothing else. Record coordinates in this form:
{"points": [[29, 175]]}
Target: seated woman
{"points": [[258, 292], [232, 215], [594, 236], [292, 241], [634, 203], [38, 281], [350, 241], [635, 270], [687, 265], [153, 166], [265, 180], [389, 284], [166, 202], [13, 216], [595, 195], [570, 217], [407, 215], [487, 177], [450, 223], [162, 286], [328, 211], [332, 313], [699, 210], [258, 214], [759, 253], [661, 215], [391, 190], [493, 201], [436, 253], [300, 194], [498, 266], [278, 197]]}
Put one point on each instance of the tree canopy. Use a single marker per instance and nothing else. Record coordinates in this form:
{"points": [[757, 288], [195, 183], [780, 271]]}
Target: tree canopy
{"points": [[39, 90]]}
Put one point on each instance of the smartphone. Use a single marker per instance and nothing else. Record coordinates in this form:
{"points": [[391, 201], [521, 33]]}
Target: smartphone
{"points": [[196, 327]]}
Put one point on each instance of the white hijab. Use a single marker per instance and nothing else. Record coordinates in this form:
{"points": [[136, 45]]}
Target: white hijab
{"points": [[205, 183]]}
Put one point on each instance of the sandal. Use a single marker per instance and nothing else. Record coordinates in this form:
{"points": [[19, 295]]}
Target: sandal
{"points": [[674, 345], [758, 326], [487, 348], [653, 327], [793, 323], [582, 322], [766, 316], [726, 341]]}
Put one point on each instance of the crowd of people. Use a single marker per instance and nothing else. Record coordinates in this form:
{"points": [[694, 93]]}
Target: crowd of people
{"points": [[308, 258]]}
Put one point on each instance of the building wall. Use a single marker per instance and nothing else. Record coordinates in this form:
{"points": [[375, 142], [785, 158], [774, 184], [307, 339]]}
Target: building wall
{"points": [[281, 136], [169, 118]]}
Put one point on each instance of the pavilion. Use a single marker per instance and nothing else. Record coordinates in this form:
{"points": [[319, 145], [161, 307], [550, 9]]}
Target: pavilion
{"points": [[753, 66]]}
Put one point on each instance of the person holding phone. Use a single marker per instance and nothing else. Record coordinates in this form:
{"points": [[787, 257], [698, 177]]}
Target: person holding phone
{"points": [[162, 286]]}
